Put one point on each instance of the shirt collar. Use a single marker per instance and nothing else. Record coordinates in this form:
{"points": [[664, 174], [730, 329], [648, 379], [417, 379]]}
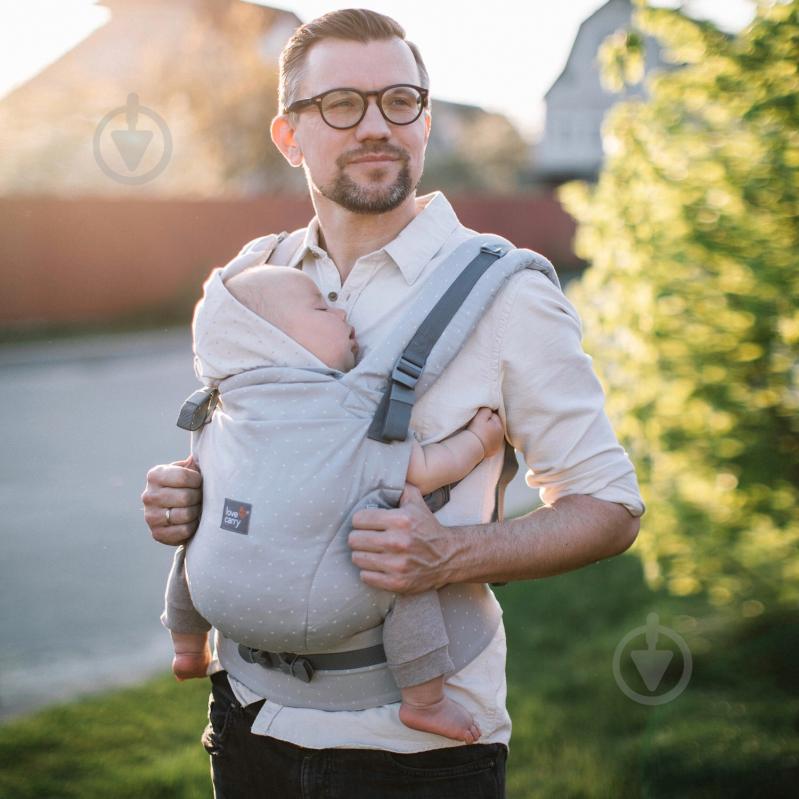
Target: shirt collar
{"points": [[310, 243], [420, 240], [415, 245]]}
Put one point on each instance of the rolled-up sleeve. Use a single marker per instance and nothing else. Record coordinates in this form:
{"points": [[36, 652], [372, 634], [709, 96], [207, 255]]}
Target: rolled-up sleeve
{"points": [[553, 401]]}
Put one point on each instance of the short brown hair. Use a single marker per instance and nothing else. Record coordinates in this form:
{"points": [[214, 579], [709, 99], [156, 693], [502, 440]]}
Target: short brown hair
{"points": [[349, 24]]}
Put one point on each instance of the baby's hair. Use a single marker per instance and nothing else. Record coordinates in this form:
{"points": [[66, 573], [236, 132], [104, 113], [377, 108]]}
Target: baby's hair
{"points": [[253, 290]]}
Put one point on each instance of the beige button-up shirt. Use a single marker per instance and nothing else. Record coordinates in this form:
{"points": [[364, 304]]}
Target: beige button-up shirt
{"points": [[523, 359]]}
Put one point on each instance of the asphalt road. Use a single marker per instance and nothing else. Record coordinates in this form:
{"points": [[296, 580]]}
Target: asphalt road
{"points": [[81, 581]]}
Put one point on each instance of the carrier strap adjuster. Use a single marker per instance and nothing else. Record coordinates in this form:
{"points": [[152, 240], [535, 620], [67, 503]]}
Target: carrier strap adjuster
{"points": [[406, 372], [287, 662], [303, 667], [198, 409]]}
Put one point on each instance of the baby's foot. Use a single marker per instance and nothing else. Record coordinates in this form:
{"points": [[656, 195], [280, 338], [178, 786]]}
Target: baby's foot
{"points": [[187, 665], [445, 717], [192, 656]]}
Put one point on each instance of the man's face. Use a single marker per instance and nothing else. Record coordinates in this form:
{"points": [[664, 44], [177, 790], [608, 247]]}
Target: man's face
{"points": [[373, 167]]}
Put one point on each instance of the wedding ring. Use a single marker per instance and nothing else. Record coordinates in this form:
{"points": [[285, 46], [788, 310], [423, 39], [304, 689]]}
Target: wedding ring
{"points": [[168, 516]]}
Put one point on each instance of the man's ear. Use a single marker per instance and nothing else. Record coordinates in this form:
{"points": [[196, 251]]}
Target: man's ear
{"points": [[428, 121], [284, 138]]}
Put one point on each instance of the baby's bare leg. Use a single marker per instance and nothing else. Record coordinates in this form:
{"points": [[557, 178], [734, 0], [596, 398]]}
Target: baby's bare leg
{"points": [[192, 655], [416, 644], [427, 708]]}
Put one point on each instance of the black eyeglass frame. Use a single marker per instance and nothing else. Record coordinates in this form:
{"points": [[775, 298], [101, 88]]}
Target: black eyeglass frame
{"points": [[299, 105]]}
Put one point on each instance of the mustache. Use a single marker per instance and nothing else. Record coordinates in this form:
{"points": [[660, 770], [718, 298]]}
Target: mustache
{"points": [[390, 150]]}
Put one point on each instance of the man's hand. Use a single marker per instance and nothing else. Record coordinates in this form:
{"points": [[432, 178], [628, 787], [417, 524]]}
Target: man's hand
{"points": [[404, 550], [176, 487]]}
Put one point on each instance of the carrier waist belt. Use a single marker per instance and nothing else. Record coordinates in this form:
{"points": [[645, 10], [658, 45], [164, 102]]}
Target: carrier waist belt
{"points": [[303, 666]]}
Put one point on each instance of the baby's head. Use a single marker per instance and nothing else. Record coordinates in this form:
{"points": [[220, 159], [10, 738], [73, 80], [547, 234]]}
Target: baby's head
{"points": [[290, 300]]}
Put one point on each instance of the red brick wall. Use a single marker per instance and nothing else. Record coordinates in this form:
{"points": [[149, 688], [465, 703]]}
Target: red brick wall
{"points": [[90, 260]]}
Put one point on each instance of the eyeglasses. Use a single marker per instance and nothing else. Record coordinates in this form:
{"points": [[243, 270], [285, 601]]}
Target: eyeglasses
{"points": [[399, 104]]}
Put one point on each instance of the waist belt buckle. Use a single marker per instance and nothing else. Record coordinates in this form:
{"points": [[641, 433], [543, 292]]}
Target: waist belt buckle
{"points": [[288, 662], [296, 665]]}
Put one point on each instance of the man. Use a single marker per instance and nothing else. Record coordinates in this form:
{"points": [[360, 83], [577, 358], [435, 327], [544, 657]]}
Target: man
{"points": [[369, 248]]}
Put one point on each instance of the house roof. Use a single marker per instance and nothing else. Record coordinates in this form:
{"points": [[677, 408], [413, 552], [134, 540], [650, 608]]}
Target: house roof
{"points": [[581, 31]]}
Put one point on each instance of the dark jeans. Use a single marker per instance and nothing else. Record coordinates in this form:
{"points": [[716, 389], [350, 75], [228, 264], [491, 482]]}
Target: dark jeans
{"points": [[247, 766]]}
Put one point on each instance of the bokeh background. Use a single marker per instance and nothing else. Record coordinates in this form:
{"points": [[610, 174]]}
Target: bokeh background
{"points": [[650, 151]]}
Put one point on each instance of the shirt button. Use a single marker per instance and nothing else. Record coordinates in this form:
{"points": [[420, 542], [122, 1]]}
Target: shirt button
{"points": [[332, 296]]}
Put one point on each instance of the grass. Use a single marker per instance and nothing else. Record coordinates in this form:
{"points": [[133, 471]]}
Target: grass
{"points": [[734, 732], [137, 743]]}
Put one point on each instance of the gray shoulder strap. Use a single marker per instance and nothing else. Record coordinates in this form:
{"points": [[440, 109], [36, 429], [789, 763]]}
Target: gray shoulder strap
{"points": [[393, 415]]}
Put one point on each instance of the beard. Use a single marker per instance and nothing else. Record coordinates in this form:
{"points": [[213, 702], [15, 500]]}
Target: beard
{"points": [[360, 199]]}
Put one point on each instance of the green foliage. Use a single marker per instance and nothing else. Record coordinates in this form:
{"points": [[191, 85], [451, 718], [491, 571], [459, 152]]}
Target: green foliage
{"points": [[140, 743], [622, 60], [732, 733], [690, 305]]}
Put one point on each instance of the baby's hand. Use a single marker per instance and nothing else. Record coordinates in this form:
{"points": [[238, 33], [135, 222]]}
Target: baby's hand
{"points": [[487, 426]]}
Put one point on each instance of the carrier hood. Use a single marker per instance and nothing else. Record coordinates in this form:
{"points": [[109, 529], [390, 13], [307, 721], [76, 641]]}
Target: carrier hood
{"points": [[229, 338]]}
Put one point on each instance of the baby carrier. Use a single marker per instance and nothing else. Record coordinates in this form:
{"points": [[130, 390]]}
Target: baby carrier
{"points": [[289, 455]]}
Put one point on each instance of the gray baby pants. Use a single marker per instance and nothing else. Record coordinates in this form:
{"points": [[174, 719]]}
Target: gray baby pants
{"points": [[414, 635]]}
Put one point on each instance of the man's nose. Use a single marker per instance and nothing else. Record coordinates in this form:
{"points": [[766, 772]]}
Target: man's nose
{"points": [[374, 124]]}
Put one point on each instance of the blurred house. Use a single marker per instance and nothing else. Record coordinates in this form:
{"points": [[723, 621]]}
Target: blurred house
{"points": [[471, 149], [576, 103], [208, 68]]}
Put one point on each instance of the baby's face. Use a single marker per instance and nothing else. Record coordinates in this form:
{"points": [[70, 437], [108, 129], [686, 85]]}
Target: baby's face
{"points": [[324, 331]]}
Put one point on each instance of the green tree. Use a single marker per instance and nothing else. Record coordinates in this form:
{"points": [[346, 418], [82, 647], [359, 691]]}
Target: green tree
{"points": [[228, 85], [690, 304]]}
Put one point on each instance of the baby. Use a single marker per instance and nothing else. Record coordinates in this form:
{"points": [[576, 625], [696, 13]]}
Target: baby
{"points": [[290, 300]]}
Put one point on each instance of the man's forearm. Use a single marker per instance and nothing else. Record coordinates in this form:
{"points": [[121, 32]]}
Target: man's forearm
{"points": [[574, 532]]}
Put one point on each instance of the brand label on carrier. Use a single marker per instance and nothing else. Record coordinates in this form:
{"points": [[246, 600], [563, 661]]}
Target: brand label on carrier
{"points": [[236, 516]]}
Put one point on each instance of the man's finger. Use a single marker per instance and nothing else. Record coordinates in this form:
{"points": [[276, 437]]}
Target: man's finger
{"points": [[366, 541], [188, 463], [411, 494], [372, 519], [174, 476], [172, 498], [378, 580], [156, 516], [174, 534]]}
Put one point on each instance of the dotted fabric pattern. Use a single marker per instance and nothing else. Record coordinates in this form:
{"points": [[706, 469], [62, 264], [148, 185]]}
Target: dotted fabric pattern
{"points": [[290, 441]]}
